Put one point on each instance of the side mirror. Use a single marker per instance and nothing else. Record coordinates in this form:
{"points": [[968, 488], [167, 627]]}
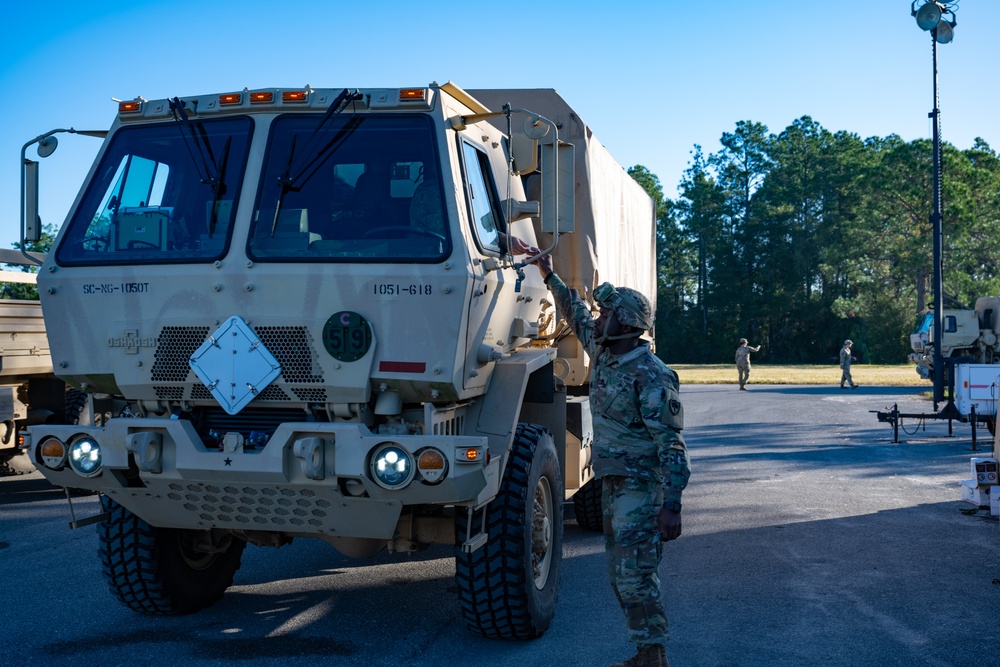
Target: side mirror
{"points": [[558, 188], [47, 146], [31, 224]]}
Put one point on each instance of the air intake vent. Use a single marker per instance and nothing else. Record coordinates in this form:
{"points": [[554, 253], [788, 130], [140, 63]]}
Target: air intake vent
{"points": [[174, 348], [310, 395], [292, 347]]}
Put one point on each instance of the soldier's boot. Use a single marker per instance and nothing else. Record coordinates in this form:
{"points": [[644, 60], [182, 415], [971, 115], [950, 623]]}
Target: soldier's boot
{"points": [[649, 655]]}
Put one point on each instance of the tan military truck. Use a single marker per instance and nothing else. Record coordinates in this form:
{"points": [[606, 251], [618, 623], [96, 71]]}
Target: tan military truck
{"points": [[970, 334], [30, 393], [298, 308]]}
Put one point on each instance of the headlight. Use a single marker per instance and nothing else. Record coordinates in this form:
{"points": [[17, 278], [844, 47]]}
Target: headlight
{"points": [[85, 457], [391, 466]]}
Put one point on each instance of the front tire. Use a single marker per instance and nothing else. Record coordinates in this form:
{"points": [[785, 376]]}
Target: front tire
{"points": [[160, 571], [508, 587]]}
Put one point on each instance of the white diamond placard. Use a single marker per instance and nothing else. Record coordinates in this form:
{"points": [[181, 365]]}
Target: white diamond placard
{"points": [[234, 365]]}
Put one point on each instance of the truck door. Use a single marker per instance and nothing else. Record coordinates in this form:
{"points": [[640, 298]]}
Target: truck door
{"points": [[485, 308]]}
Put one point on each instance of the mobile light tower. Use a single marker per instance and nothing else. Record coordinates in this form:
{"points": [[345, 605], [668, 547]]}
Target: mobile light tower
{"points": [[933, 16]]}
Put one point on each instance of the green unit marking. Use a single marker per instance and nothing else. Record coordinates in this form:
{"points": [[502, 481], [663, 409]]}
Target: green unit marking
{"points": [[347, 336]]}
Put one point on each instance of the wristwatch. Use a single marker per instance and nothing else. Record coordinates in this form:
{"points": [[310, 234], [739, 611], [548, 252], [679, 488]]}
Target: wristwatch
{"points": [[672, 505]]}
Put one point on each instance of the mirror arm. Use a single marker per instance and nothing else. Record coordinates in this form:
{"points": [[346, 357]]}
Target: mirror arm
{"points": [[46, 145]]}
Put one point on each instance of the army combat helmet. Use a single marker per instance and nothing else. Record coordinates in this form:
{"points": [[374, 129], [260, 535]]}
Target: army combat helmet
{"points": [[630, 306]]}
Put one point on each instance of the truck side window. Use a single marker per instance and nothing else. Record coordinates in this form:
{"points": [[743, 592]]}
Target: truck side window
{"points": [[950, 324], [483, 205]]}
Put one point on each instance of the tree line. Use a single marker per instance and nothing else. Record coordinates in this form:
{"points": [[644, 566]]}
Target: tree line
{"points": [[800, 239]]}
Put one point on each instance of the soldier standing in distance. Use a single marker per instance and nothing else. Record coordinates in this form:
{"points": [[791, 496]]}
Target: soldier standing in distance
{"points": [[639, 453], [743, 361], [845, 365]]}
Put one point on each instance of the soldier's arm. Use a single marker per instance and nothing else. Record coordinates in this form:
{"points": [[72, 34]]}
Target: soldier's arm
{"points": [[663, 416], [575, 311], [569, 304]]}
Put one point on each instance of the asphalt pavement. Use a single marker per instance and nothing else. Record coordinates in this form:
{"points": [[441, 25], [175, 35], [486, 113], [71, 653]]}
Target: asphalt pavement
{"points": [[810, 538]]}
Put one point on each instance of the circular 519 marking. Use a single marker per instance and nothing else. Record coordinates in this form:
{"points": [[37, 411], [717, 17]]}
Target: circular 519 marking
{"points": [[347, 336]]}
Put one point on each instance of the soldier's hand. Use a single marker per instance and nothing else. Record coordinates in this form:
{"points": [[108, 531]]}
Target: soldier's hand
{"points": [[670, 524], [543, 262], [516, 246]]}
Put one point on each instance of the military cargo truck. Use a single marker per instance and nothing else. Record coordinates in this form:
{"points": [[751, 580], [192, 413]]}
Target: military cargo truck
{"points": [[30, 393], [972, 335], [298, 308]]}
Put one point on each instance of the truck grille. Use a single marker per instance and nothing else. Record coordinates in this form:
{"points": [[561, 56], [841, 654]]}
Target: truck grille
{"points": [[174, 348], [292, 346]]}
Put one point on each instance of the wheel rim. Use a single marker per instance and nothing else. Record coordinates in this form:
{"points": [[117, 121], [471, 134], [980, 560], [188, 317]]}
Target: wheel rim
{"points": [[541, 533], [193, 558]]}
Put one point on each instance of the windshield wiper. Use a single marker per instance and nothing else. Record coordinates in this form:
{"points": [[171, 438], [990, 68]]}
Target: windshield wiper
{"points": [[290, 181], [220, 188], [198, 136], [215, 172]]}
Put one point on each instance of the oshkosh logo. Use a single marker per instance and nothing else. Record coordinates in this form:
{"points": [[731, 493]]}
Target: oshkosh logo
{"points": [[131, 341]]}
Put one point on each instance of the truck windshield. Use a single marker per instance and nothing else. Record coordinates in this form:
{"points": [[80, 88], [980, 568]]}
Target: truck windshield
{"points": [[354, 189], [924, 323], [157, 196]]}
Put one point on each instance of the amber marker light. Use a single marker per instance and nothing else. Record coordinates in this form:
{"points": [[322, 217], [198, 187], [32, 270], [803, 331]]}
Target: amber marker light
{"points": [[230, 99], [294, 96], [53, 454], [411, 94], [469, 454], [261, 98], [129, 107], [430, 459], [432, 465]]}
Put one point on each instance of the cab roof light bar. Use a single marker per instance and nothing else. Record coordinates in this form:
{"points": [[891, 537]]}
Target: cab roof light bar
{"points": [[412, 94], [132, 106]]}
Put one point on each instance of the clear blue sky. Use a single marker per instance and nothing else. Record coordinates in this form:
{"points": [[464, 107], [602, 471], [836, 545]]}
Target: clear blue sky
{"points": [[651, 78]]}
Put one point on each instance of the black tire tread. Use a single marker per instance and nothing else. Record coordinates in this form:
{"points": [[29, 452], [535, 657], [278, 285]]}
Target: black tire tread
{"points": [[492, 581], [587, 506], [133, 562]]}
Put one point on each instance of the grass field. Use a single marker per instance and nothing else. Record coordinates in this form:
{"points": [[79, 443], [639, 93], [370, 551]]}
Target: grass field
{"points": [[901, 375]]}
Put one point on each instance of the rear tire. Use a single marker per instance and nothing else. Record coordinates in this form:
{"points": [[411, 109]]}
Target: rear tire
{"points": [[587, 506], [158, 570], [508, 587]]}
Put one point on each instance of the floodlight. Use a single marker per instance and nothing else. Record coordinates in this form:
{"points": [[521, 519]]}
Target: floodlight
{"points": [[944, 33], [928, 16]]}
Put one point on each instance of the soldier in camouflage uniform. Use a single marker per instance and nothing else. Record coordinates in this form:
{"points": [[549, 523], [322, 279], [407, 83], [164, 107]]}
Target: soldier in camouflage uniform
{"points": [[845, 365], [743, 361], [639, 452]]}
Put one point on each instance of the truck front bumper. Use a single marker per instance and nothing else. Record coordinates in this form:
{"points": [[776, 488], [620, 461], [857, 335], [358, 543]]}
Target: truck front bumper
{"points": [[309, 478]]}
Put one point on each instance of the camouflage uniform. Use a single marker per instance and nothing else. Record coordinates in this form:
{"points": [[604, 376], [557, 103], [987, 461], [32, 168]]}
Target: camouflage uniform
{"points": [[743, 360], [641, 457], [845, 365]]}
